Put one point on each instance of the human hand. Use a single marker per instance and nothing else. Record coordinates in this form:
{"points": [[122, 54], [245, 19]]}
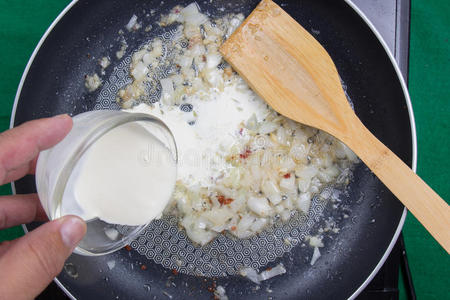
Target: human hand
{"points": [[29, 264]]}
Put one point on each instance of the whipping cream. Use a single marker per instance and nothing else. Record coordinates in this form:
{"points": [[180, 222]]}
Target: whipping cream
{"points": [[206, 134], [126, 177]]}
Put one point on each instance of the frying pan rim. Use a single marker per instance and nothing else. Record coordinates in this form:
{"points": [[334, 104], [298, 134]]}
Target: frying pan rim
{"points": [[394, 64], [414, 144]]}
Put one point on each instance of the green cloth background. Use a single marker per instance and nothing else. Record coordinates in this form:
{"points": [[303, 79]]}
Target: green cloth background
{"points": [[22, 23]]}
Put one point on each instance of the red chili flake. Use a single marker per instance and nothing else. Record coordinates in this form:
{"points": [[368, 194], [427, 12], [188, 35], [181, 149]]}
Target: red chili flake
{"points": [[128, 247], [233, 228], [143, 267], [224, 201], [174, 272], [268, 269], [212, 288], [177, 10], [203, 58], [287, 175], [241, 130], [246, 154]]}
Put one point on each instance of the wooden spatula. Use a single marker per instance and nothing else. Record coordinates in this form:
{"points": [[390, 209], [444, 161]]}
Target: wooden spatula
{"points": [[289, 69]]}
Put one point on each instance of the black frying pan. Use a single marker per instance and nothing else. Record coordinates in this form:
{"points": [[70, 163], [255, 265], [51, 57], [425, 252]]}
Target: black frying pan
{"points": [[54, 84]]}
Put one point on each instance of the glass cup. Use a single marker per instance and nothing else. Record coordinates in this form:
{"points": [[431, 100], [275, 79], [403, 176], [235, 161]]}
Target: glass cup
{"points": [[55, 165]]}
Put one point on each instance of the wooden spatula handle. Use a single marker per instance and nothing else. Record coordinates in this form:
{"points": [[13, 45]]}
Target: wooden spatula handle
{"points": [[430, 209], [289, 69]]}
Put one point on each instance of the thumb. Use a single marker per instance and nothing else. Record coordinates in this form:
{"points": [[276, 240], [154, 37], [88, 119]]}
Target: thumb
{"points": [[32, 262]]}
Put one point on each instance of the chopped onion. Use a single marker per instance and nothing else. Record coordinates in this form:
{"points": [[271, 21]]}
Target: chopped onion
{"points": [[195, 232], [218, 216], [137, 56], [191, 9], [213, 60], [306, 172], [148, 59], [253, 275], [111, 264], [315, 241], [92, 82], [271, 190], [112, 233], [332, 172], [288, 164], [233, 179], [131, 23], [267, 127], [245, 223], [121, 52], [259, 206], [104, 62], [343, 152], [140, 71], [285, 214], [185, 61], [220, 293], [167, 90], [157, 48], [259, 224], [214, 77], [279, 208], [288, 184], [191, 15], [298, 152], [303, 202], [234, 23], [252, 122], [304, 184], [315, 256], [275, 271]]}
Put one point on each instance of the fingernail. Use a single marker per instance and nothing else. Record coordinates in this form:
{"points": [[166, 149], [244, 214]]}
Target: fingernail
{"points": [[72, 231], [61, 116]]}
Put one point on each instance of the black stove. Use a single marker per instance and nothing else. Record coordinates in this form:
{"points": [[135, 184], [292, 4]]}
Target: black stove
{"points": [[392, 20]]}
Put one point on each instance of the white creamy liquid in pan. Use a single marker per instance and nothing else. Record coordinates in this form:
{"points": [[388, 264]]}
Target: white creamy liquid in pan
{"points": [[126, 177], [203, 145]]}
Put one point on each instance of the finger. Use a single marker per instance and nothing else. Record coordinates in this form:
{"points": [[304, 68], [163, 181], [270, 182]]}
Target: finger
{"points": [[21, 145], [27, 168], [4, 246], [35, 259], [20, 209], [17, 173]]}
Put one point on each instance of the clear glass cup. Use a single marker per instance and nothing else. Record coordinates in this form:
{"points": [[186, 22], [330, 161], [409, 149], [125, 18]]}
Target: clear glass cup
{"points": [[56, 164]]}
